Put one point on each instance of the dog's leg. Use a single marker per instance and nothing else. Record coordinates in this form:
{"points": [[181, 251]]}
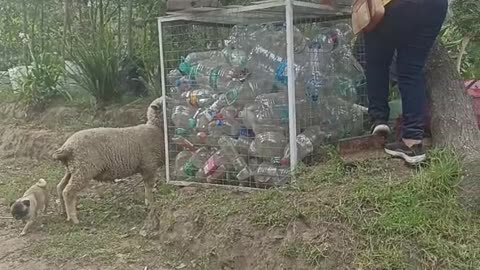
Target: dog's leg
{"points": [[76, 184], [29, 224], [45, 207], [149, 181], [60, 187]]}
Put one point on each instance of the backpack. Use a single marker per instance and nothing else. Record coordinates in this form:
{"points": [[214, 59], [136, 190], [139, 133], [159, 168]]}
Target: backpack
{"points": [[366, 15]]}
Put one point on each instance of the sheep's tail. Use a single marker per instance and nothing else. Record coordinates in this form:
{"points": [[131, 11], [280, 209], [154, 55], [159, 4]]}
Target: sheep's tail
{"points": [[62, 154], [41, 183]]}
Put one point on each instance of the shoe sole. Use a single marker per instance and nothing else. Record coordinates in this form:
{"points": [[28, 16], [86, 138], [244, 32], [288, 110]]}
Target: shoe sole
{"points": [[410, 160], [381, 130]]}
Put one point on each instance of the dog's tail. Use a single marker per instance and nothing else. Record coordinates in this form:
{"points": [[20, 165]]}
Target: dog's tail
{"points": [[61, 154], [41, 183]]}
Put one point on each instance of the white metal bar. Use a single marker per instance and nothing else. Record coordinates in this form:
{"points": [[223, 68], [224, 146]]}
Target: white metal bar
{"points": [[291, 85], [164, 94], [203, 185]]}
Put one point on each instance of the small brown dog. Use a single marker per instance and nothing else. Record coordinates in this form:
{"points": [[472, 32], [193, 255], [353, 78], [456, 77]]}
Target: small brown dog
{"points": [[27, 207]]}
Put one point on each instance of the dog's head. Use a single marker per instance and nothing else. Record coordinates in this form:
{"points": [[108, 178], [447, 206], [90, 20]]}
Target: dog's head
{"points": [[20, 209]]}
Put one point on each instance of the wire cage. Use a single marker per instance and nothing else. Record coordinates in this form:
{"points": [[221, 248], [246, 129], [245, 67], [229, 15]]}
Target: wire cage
{"points": [[254, 90]]}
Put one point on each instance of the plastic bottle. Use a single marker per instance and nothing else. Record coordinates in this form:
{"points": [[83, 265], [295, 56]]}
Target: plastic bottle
{"points": [[270, 175], [272, 109], [216, 75], [264, 60], [236, 57], [180, 161], [229, 127], [236, 160], [248, 115], [172, 77], [200, 97], [269, 145], [183, 142], [218, 176], [318, 72], [240, 94], [182, 117], [306, 142], [196, 57], [213, 163], [229, 112], [195, 162]]}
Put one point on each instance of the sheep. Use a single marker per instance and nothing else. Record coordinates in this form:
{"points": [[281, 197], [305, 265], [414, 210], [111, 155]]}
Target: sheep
{"points": [[106, 154]]}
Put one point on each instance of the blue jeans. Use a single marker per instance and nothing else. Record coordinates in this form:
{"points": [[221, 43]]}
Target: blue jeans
{"points": [[410, 27]]}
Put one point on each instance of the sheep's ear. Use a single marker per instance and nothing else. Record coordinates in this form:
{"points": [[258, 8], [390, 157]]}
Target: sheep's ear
{"points": [[26, 203], [155, 107]]}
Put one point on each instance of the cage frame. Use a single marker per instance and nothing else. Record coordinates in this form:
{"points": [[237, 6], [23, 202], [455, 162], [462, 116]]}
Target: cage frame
{"points": [[201, 15]]}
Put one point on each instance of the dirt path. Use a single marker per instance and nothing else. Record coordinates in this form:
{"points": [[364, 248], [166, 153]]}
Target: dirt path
{"points": [[16, 253]]}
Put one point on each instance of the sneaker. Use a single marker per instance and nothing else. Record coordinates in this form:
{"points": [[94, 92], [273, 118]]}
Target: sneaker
{"points": [[381, 129], [412, 155]]}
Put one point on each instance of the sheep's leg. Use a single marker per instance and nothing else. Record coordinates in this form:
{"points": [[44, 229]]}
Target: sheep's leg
{"points": [[60, 187], [149, 181], [76, 184]]}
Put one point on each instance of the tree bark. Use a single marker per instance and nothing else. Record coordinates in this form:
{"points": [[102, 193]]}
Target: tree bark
{"points": [[66, 25], [453, 122], [129, 29]]}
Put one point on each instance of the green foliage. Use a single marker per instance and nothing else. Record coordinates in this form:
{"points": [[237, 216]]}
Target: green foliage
{"points": [[466, 17], [40, 85], [98, 61]]}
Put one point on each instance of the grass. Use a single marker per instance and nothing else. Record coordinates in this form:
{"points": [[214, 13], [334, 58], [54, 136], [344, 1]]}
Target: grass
{"points": [[387, 218]]}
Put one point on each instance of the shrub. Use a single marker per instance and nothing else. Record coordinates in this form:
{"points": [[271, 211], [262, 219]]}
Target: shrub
{"points": [[98, 62]]}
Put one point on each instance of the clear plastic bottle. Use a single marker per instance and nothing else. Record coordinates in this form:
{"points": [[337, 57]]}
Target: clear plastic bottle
{"points": [[196, 57], [218, 176], [173, 76], [196, 161], [248, 115], [204, 118], [229, 127], [318, 72], [272, 109], [200, 97], [306, 142], [269, 145], [183, 142], [268, 62], [213, 163], [215, 75], [240, 94], [182, 117], [236, 160], [270, 175], [180, 161], [237, 58], [229, 112]]}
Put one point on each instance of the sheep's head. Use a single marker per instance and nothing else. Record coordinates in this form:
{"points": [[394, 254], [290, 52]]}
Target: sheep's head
{"points": [[155, 111]]}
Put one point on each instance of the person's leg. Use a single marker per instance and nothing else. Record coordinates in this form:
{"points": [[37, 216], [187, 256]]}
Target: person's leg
{"points": [[379, 52], [413, 51]]}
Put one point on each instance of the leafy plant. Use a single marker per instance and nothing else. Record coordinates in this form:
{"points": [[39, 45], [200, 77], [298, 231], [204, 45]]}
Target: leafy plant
{"points": [[98, 62], [40, 84], [465, 19]]}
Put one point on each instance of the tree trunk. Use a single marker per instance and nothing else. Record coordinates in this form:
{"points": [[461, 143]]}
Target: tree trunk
{"points": [[26, 53], [66, 25], [453, 121], [129, 29]]}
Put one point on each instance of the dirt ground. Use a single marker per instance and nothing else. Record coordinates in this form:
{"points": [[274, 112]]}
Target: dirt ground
{"points": [[365, 215]]}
